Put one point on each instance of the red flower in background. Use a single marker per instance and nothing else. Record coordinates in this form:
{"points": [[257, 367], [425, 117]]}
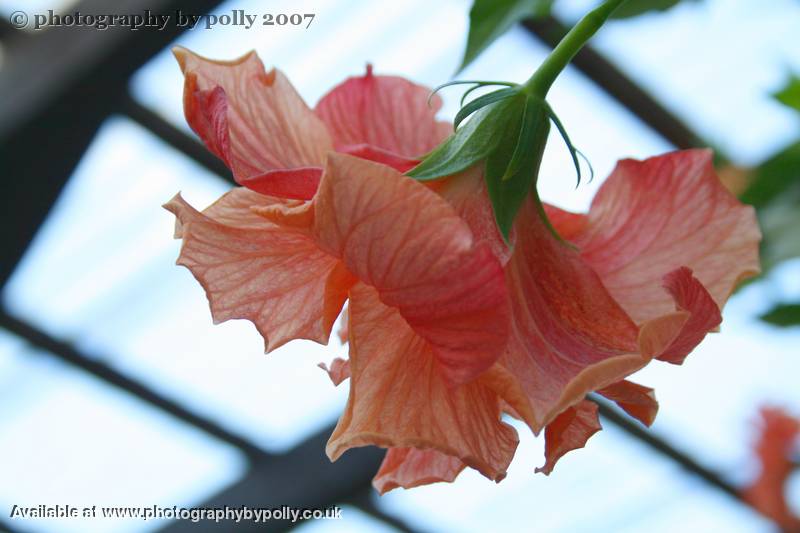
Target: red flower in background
{"points": [[778, 441], [448, 326]]}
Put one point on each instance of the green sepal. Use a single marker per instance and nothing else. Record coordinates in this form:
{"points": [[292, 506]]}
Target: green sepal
{"points": [[482, 101], [573, 152], [512, 168], [471, 143]]}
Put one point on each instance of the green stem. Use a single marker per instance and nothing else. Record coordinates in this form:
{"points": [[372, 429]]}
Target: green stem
{"points": [[548, 71]]}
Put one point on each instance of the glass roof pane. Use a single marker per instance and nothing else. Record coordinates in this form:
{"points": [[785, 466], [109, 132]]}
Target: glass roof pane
{"points": [[613, 485], [714, 63], [708, 404], [67, 438], [118, 295]]}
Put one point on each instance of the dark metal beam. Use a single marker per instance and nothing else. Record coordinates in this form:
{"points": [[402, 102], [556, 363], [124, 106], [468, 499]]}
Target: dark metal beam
{"points": [[6, 29], [67, 353], [656, 443], [300, 478], [54, 93], [6, 528], [365, 500], [602, 72], [177, 139]]}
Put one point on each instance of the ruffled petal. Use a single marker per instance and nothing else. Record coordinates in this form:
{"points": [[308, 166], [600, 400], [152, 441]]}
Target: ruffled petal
{"points": [[570, 335], [654, 216], [401, 238], [234, 209], [339, 370], [387, 112], [410, 467], [256, 122], [276, 277], [691, 296], [636, 400], [569, 431], [400, 399]]}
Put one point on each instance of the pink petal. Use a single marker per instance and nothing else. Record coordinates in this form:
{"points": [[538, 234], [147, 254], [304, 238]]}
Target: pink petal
{"points": [[636, 400], [570, 335], [690, 295], [651, 217], [371, 153], [401, 238], [339, 370], [387, 112], [255, 121], [275, 277], [399, 397], [299, 183], [568, 225], [411, 467], [569, 431]]}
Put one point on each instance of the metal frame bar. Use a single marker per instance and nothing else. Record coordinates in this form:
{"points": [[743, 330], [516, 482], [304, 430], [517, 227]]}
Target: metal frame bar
{"points": [[59, 105], [103, 83], [619, 86]]}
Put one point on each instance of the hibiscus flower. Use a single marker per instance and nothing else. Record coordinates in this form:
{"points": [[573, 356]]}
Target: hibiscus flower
{"points": [[778, 441], [448, 326]]}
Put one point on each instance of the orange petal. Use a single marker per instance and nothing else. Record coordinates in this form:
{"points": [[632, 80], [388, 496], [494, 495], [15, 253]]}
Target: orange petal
{"points": [[569, 431], [468, 195], [399, 398], [386, 112], [255, 121], [411, 467], [275, 277], [235, 208], [779, 437], [569, 336], [636, 400], [401, 238], [339, 370], [654, 216]]}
